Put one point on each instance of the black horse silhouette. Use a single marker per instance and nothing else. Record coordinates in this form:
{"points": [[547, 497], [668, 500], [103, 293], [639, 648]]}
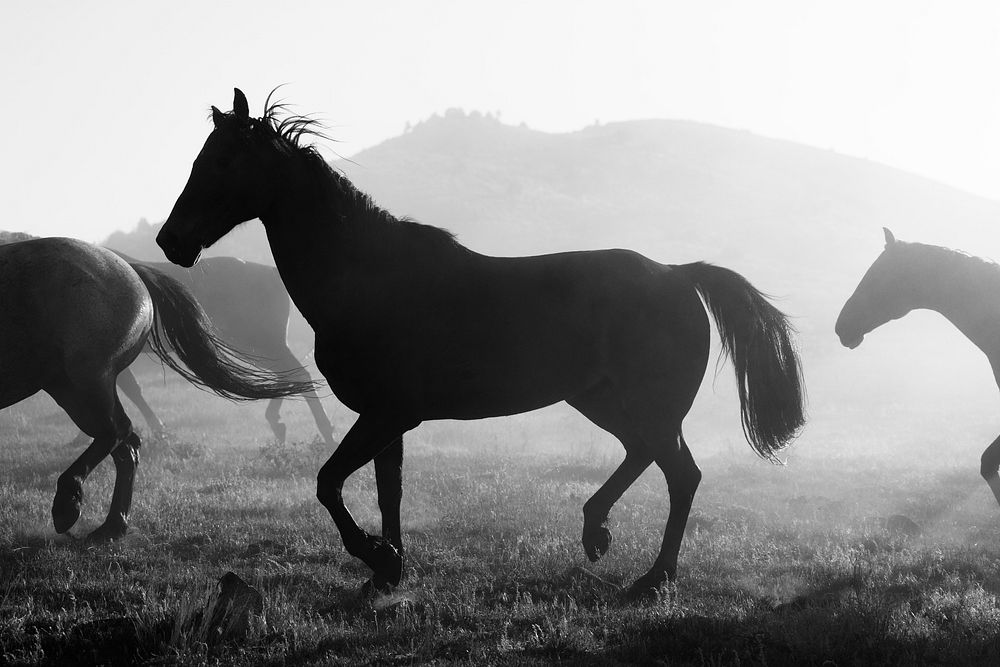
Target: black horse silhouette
{"points": [[411, 326], [74, 316], [963, 288]]}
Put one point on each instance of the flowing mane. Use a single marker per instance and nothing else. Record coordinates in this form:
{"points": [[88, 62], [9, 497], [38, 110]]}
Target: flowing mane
{"points": [[287, 131], [982, 268]]}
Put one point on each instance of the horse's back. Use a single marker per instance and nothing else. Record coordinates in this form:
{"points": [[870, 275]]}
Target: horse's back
{"points": [[636, 309], [68, 303]]}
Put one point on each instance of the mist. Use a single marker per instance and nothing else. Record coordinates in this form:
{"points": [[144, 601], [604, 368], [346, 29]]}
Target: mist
{"points": [[775, 139]]}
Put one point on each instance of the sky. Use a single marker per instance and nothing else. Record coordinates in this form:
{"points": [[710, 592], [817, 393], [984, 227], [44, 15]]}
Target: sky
{"points": [[106, 104]]}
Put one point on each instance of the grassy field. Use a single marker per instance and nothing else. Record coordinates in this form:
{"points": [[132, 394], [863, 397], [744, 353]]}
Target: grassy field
{"points": [[801, 564]]}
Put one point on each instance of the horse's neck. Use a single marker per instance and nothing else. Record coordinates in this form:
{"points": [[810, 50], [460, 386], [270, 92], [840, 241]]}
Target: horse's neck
{"points": [[306, 263], [309, 231], [966, 293]]}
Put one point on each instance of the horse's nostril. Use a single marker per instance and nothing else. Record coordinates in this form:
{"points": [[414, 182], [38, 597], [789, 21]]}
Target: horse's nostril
{"points": [[166, 241]]}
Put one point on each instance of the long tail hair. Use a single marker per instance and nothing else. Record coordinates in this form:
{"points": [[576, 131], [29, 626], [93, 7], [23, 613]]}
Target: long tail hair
{"points": [[181, 328], [758, 339]]}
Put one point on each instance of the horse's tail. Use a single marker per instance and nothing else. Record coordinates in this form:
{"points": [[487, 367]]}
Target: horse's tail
{"points": [[758, 338], [181, 328]]}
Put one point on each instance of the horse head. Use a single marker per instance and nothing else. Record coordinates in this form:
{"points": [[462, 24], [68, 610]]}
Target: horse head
{"points": [[885, 293], [230, 183]]}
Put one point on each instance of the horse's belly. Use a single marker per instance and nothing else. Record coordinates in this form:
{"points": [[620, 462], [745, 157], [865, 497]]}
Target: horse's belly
{"points": [[452, 391], [23, 375]]}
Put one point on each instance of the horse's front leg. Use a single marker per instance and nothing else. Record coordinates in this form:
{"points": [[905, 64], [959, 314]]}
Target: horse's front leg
{"points": [[369, 437], [989, 466], [389, 481]]}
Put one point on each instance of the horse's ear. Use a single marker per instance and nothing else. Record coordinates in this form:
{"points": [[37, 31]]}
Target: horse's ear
{"points": [[889, 238], [218, 117], [240, 107]]}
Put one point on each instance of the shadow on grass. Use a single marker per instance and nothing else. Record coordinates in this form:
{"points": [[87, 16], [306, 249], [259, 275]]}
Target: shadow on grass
{"points": [[115, 640]]}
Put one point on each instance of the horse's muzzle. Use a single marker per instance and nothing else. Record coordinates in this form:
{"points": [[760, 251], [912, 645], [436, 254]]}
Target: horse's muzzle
{"points": [[174, 251], [851, 342]]}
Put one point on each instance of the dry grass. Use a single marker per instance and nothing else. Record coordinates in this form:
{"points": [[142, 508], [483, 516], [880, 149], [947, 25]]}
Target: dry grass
{"points": [[781, 565]]}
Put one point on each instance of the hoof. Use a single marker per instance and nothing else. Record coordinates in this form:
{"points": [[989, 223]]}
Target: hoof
{"points": [[375, 587], [280, 430], [384, 560], [109, 532], [66, 505], [161, 436], [646, 589], [596, 542]]}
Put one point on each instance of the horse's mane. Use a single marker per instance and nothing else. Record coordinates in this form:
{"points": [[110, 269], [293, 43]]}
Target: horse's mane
{"points": [[953, 255], [957, 263], [289, 133]]}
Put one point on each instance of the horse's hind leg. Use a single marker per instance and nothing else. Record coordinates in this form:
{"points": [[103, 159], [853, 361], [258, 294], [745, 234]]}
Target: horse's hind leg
{"points": [[289, 365], [130, 387], [273, 416], [126, 458], [683, 476], [94, 408], [319, 415], [596, 536], [649, 420], [602, 406], [989, 466]]}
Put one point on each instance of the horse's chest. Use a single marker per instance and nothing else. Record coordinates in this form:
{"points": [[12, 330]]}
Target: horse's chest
{"points": [[358, 371]]}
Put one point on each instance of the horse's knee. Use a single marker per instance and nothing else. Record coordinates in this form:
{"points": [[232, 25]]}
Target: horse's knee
{"points": [[127, 452], [684, 482], [695, 478], [328, 489]]}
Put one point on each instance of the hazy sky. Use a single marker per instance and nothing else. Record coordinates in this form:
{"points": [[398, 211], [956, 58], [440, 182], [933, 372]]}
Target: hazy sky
{"points": [[105, 103]]}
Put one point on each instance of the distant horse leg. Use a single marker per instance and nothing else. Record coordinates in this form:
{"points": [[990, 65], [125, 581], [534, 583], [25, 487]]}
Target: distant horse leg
{"points": [[602, 407], [126, 458], [312, 400], [369, 436], [389, 481], [271, 414], [319, 415], [130, 387], [989, 466], [92, 407], [682, 476], [288, 364]]}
